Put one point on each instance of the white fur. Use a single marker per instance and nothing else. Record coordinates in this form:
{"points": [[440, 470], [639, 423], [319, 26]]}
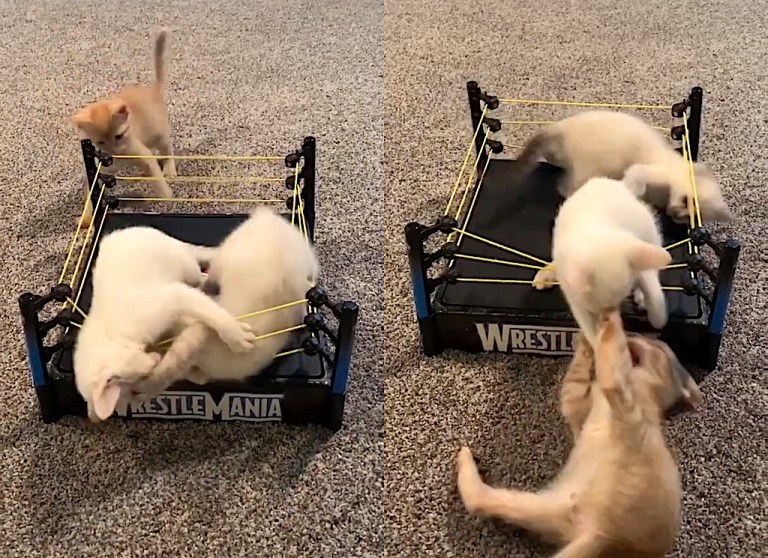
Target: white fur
{"points": [[264, 263], [143, 284], [605, 242], [602, 143]]}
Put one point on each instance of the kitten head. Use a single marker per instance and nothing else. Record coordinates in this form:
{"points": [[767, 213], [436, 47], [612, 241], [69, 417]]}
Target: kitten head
{"points": [[108, 378], [605, 275], [105, 123], [659, 369], [712, 206]]}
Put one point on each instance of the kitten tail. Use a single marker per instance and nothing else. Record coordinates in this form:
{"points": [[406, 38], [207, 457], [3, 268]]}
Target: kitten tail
{"points": [[159, 58]]}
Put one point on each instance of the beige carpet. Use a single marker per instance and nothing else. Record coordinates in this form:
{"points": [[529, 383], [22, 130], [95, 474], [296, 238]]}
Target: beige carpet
{"points": [[505, 406], [244, 78]]}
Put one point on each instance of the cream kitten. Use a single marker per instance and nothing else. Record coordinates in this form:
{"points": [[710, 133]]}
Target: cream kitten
{"points": [[141, 289], [135, 122], [619, 493], [604, 243], [606, 143], [263, 263]]}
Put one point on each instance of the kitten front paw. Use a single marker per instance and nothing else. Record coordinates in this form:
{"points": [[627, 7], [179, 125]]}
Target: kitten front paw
{"points": [[240, 338], [169, 170], [639, 298], [657, 317], [469, 483], [546, 278]]}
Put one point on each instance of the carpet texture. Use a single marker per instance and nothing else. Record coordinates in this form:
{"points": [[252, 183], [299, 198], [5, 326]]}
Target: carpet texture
{"points": [[244, 78], [505, 407]]}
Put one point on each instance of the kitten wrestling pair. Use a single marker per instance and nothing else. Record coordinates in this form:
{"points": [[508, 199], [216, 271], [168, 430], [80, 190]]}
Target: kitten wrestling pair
{"points": [[148, 286]]}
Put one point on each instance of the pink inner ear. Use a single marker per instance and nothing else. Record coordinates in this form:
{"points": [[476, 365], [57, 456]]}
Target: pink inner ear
{"points": [[105, 397], [648, 256], [80, 119]]}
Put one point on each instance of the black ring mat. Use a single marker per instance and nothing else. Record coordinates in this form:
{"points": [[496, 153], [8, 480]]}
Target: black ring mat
{"points": [[207, 230], [520, 214]]}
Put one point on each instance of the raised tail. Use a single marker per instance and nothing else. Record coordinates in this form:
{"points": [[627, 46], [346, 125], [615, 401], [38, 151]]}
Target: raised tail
{"points": [[159, 58], [532, 151]]}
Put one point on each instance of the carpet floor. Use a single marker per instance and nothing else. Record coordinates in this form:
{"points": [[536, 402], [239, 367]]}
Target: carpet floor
{"points": [[505, 406], [244, 78]]}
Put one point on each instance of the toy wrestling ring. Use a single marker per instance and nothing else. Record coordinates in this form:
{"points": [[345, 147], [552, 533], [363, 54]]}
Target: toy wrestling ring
{"points": [[306, 383], [483, 299]]}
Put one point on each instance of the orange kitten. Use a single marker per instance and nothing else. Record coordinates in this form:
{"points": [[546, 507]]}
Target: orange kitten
{"points": [[619, 494], [135, 122]]}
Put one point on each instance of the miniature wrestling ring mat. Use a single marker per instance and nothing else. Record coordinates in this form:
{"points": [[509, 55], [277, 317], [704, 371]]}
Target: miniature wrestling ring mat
{"points": [[306, 383], [473, 288]]}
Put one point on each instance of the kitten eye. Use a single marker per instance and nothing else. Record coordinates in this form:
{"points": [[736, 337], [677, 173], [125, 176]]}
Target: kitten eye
{"points": [[99, 143], [118, 137]]}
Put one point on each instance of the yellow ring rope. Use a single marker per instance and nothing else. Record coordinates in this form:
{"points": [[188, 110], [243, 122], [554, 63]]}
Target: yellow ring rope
{"points": [[580, 104], [204, 179], [471, 176], [692, 174], [466, 161], [472, 205], [94, 243], [202, 157], [201, 200], [85, 241], [501, 246], [495, 261], [530, 282], [80, 224], [543, 122]]}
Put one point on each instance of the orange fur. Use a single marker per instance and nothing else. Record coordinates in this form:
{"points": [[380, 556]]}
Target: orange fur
{"points": [[134, 122], [618, 495]]}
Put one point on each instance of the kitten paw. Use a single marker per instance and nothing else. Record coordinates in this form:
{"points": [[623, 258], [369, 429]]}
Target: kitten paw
{"points": [[240, 338], [169, 170], [639, 298], [545, 279], [469, 483], [197, 377], [657, 318]]}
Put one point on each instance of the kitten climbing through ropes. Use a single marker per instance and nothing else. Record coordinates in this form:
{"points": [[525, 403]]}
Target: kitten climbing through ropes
{"points": [[135, 122], [605, 245], [265, 262], [144, 283], [612, 144], [619, 493]]}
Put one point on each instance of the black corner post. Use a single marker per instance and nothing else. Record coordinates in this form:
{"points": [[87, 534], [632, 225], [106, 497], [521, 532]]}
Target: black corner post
{"points": [[425, 314], [347, 313], [476, 112], [308, 150], [29, 305], [696, 102], [729, 258]]}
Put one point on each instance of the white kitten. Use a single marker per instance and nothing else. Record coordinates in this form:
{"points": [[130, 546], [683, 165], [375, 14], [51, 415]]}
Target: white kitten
{"points": [[141, 289], [602, 143], [605, 242], [263, 263]]}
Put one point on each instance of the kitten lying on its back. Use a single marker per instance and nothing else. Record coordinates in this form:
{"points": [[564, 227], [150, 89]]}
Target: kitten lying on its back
{"points": [[141, 288], [135, 122], [602, 143], [618, 495], [605, 242], [265, 262]]}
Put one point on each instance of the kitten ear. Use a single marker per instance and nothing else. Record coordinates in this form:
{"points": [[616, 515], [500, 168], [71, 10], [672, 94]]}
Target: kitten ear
{"points": [[716, 210], [637, 178], [119, 111], [81, 119], [578, 279], [106, 394], [644, 256]]}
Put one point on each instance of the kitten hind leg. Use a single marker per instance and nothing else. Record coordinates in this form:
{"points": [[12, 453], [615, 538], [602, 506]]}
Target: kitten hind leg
{"points": [[547, 515], [151, 165], [169, 165], [653, 298], [586, 545]]}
